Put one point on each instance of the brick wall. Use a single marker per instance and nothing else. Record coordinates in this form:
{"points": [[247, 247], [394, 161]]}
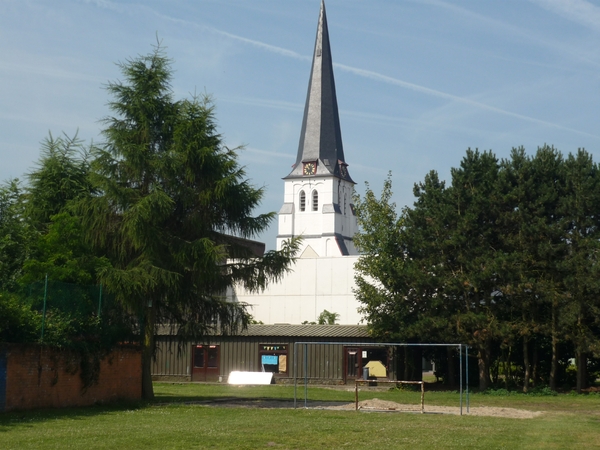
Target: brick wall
{"points": [[42, 377]]}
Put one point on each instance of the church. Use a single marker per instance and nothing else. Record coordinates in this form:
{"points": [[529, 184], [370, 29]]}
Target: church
{"points": [[317, 205]]}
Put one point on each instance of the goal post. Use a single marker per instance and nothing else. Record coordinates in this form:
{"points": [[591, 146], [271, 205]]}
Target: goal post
{"points": [[463, 351]]}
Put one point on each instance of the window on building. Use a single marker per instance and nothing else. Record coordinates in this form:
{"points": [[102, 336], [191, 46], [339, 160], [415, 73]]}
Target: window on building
{"points": [[302, 201], [273, 358], [315, 200]]}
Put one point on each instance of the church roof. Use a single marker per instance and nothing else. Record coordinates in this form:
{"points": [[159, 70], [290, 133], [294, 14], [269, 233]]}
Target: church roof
{"points": [[321, 136]]}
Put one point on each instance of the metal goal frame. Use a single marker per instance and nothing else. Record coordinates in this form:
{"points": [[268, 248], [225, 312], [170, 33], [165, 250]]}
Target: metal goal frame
{"points": [[462, 391]]}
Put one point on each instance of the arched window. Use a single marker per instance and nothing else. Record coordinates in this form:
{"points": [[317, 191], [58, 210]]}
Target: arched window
{"points": [[315, 200], [302, 201]]}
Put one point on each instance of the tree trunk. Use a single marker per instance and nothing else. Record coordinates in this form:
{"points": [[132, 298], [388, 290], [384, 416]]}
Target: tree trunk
{"points": [[526, 364], [554, 363], [483, 355], [581, 360], [536, 364], [147, 353], [451, 372], [406, 365], [416, 372], [507, 366]]}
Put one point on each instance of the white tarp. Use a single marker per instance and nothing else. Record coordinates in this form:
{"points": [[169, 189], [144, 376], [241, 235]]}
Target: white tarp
{"points": [[236, 377]]}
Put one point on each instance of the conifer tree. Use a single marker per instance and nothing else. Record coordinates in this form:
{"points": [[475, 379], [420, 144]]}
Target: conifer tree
{"points": [[580, 317], [169, 197], [533, 242]]}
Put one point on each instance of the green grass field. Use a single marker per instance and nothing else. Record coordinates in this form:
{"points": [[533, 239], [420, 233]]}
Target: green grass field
{"points": [[179, 420]]}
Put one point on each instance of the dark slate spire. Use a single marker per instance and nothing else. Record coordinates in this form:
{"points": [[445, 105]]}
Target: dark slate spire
{"points": [[321, 137]]}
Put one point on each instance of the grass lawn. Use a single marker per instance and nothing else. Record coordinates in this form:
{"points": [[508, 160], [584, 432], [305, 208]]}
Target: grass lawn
{"points": [[568, 422]]}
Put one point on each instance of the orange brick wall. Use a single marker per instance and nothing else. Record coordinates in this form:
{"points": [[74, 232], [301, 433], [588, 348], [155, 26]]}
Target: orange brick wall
{"points": [[42, 377]]}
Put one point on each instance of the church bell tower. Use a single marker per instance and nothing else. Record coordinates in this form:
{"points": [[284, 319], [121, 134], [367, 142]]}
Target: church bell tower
{"points": [[318, 191]]}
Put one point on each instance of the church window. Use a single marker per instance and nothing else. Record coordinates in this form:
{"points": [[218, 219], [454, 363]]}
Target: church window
{"points": [[302, 201], [315, 200]]}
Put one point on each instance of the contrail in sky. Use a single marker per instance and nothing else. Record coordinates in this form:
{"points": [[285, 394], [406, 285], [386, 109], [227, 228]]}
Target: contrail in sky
{"points": [[574, 8], [440, 94], [580, 11]]}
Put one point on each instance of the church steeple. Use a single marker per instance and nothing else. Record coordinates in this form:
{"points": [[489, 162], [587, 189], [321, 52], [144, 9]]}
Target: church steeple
{"points": [[320, 151], [318, 191]]}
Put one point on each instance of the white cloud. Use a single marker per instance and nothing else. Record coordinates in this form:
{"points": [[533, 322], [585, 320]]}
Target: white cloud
{"points": [[579, 11]]}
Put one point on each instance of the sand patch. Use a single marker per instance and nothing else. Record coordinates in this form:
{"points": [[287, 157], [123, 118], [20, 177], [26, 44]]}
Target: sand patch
{"points": [[376, 404]]}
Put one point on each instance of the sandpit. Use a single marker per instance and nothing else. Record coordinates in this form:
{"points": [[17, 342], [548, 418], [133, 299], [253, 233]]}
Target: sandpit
{"points": [[374, 405]]}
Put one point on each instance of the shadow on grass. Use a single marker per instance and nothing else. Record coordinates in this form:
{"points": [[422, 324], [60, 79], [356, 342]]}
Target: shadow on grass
{"points": [[25, 418], [29, 418], [257, 402]]}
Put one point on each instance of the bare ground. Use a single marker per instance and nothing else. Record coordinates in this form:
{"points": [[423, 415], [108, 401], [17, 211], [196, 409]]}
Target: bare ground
{"points": [[384, 405], [376, 405]]}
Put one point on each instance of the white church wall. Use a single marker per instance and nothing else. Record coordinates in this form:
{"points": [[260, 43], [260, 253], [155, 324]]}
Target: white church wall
{"points": [[315, 284]]}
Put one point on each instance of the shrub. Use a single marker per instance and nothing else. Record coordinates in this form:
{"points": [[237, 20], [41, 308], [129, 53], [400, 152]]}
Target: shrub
{"points": [[18, 323]]}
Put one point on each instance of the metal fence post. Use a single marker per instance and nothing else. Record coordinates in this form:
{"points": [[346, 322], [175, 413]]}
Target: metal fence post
{"points": [[295, 373], [44, 308], [100, 302], [306, 375], [467, 369], [461, 376]]}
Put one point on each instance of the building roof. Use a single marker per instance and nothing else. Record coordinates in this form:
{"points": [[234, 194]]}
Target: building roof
{"points": [[321, 136], [288, 330], [322, 331]]}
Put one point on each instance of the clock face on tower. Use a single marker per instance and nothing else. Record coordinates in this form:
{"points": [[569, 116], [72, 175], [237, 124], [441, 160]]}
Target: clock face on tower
{"points": [[310, 168], [343, 170]]}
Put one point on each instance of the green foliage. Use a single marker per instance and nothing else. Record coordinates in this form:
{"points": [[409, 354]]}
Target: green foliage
{"points": [[83, 321], [539, 391], [542, 391], [59, 249], [160, 214], [327, 318], [60, 177], [18, 323], [170, 197], [42, 237], [15, 235], [504, 259], [62, 254]]}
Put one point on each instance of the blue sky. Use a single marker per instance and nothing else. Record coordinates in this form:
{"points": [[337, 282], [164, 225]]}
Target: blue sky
{"points": [[418, 82]]}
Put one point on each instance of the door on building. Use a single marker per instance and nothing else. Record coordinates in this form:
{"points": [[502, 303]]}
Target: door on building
{"points": [[356, 358], [205, 363], [352, 364]]}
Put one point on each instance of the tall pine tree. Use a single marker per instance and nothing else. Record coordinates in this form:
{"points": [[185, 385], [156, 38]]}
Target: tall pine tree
{"points": [[169, 198]]}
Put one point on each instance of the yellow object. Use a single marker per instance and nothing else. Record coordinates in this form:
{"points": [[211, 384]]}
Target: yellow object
{"points": [[376, 369]]}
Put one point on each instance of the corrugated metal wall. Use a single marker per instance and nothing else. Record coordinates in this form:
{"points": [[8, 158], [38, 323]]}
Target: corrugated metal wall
{"points": [[171, 359], [324, 361]]}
